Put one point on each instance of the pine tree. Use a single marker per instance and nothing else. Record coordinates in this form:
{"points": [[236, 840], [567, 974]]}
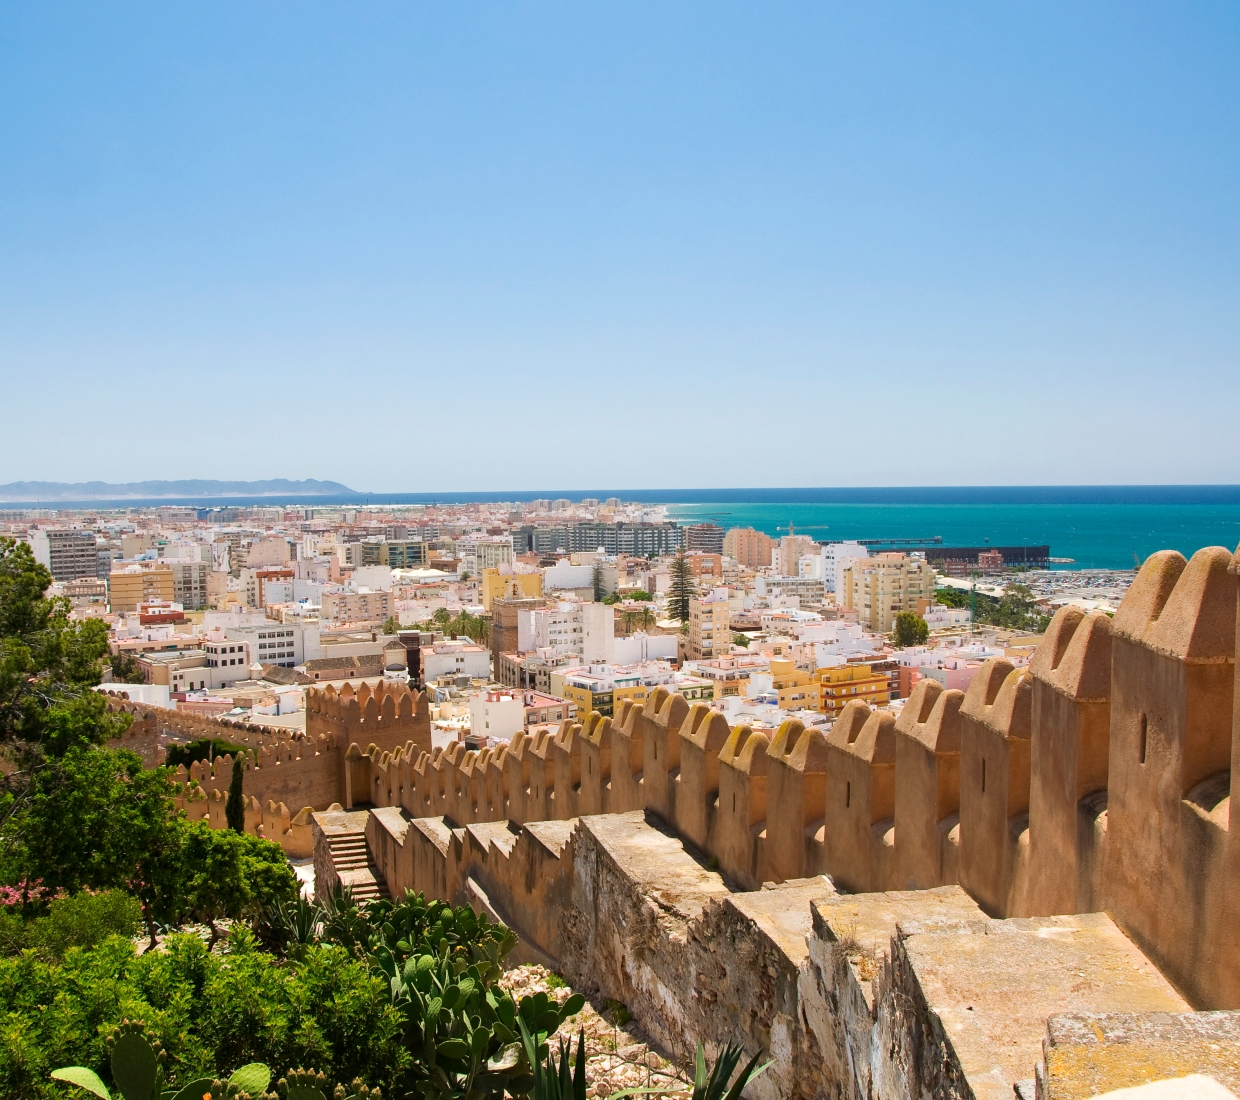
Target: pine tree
{"points": [[682, 590], [234, 808]]}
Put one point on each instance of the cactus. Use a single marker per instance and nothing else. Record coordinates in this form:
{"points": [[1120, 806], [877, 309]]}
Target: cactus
{"points": [[137, 1060]]}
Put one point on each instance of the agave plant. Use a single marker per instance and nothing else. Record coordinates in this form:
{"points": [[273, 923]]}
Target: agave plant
{"points": [[137, 1062], [714, 1086]]}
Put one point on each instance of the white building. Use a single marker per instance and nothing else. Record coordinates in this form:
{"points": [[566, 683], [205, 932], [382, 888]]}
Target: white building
{"points": [[273, 643], [496, 714], [565, 575], [641, 647], [456, 657], [835, 559], [376, 578], [571, 629]]}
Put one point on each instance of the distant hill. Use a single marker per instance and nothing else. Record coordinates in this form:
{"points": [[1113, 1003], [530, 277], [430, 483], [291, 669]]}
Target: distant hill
{"points": [[34, 491]]}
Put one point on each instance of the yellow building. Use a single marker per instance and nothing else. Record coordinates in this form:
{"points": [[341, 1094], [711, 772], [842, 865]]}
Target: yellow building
{"points": [[844, 683], [796, 688], [878, 588], [602, 697], [135, 582], [509, 586], [710, 626]]}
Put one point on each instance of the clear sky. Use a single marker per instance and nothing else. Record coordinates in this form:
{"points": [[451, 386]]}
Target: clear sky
{"points": [[418, 247]]}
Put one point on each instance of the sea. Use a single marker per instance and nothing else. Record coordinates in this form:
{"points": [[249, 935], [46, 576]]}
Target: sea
{"points": [[1092, 535]]}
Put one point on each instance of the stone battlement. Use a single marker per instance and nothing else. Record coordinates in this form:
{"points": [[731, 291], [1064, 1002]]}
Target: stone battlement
{"points": [[1054, 789]]}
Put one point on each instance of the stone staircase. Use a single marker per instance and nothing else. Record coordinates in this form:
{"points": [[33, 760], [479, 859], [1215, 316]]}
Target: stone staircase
{"points": [[351, 860]]}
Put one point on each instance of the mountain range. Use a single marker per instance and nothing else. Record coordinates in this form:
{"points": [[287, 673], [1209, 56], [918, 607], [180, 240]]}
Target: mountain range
{"points": [[39, 491]]}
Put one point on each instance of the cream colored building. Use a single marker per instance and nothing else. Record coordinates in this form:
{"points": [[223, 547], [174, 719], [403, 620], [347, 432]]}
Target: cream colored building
{"points": [[356, 607], [710, 626], [878, 588], [133, 582]]}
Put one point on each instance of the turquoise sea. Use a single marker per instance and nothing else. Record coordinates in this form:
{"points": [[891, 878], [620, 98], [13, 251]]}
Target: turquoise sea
{"points": [[1095, 535]]}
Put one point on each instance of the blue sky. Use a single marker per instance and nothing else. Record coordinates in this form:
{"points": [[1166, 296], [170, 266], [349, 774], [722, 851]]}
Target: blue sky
{"points": [[419, 247]]}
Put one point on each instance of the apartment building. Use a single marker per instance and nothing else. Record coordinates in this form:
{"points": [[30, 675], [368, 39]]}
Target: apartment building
{"points": [[275, 643], [189, 583], [880, 587], [836, 557], [706, 537], [787, 686], [491, 553], [730, 675], [791, 549], [749, 548], [710, 626], [636, 539], [137, 582], [843, 683], [67, 555], [811, 592], [355, 607], [569, 628], [403, 554], [455, 657]]}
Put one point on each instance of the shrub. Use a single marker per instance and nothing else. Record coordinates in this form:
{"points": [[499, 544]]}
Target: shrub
{"points": [[84, 920], [211, 1012]]}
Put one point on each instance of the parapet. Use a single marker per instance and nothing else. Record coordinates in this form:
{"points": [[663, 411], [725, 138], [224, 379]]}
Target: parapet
{"points": [[927, 787]]}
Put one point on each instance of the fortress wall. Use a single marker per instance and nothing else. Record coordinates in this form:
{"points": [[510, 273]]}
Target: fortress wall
{"points": [[1169, 771], [740, 824], [702, 737], [660, 720], [859, 825], [994, 783], [1032, 790], [1070, 718], [629, 755], [927, 788], [898, 995]]}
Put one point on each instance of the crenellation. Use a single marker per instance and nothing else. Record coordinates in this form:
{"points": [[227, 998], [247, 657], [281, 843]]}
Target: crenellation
{"points": [[702, 737], [796, 785], [1069, 749], [995, 730], [661, 718], [859, 824], [740, 837], [927, 785], [1171, 731]]}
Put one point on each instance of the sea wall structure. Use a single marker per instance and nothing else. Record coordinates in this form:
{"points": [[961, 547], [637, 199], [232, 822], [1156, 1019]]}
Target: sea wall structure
{"points": [[867, 906]]}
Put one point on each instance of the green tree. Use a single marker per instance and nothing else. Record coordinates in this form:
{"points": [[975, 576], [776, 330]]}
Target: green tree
{"points": [[97, 819], [230, 874], [597, 579], [48, 666], [234, 808], [682, 589], [910, 629], [391, 625], [125, 669]]}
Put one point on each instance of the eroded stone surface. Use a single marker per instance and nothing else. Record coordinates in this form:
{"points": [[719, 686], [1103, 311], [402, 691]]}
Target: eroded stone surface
{"points": [[963, 1009], [1087, 1055]]}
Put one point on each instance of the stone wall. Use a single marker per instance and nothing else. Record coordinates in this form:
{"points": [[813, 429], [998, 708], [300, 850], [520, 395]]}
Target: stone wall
{"points": [[309, 771], [1051, 789], [894, 995]]}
